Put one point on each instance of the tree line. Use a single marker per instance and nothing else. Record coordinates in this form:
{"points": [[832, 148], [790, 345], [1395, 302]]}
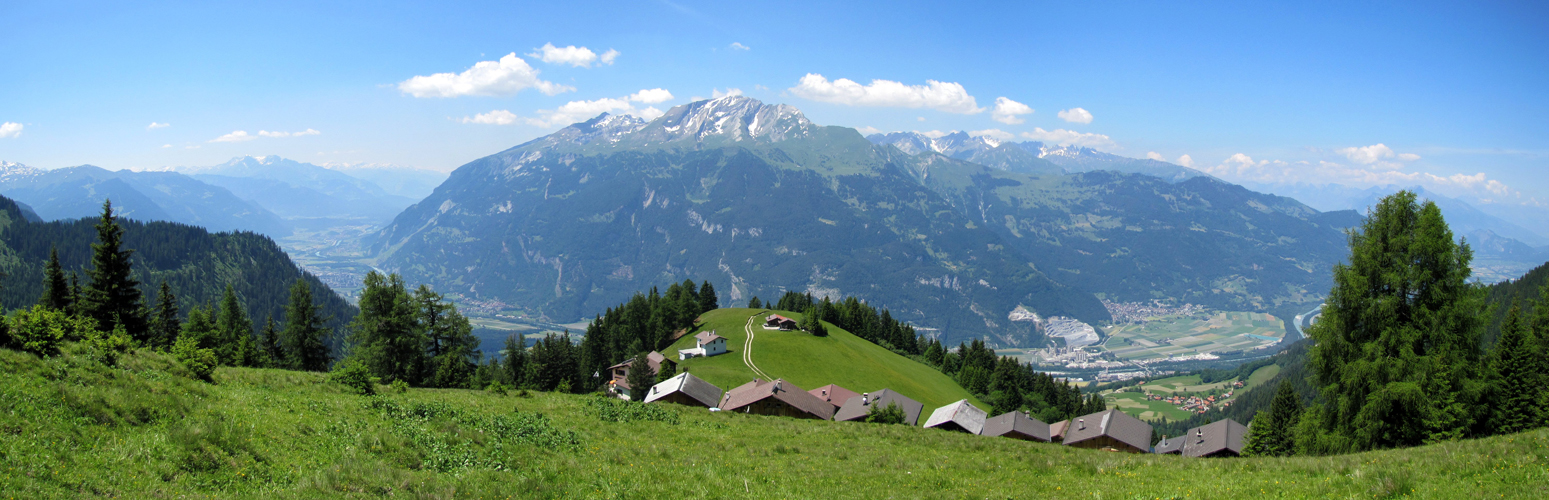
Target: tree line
{"points": [[1401, 355]]}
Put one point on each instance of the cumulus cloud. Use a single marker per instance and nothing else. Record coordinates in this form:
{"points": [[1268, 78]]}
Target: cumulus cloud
{"points": [[243, 136], [576, 111], [738, 46], [505, 77], [1155, 156], [993, 133], [580, 57], [1369, 170], [266, 133], [154, 126], [10, 129], [941, 96], [496, 117], [651, 96], [1075, 115], [1069, 137], [1377, 155], [717, 94], [1006, 111], [1186, 161]]}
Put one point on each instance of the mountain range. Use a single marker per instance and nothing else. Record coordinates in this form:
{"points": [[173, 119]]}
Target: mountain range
{"points": [[302, 193], [958, 234], [76, 192]]}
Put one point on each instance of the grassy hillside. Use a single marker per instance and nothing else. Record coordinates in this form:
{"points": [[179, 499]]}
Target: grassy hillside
{"points": [[74, 428], [810, 362]]}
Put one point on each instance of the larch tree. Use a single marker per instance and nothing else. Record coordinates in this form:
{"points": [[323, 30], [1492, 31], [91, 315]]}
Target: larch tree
{"points": [[386, 336], [112, 295], [1396, 352]]}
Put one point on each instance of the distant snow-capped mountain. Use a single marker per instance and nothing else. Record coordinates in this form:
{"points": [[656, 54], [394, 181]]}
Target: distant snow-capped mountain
{"points": [[1031, 156]]}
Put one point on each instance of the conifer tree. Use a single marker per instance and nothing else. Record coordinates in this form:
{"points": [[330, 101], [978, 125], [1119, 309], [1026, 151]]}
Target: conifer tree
{"points": [[707, 299], [77, 296], [1273, 429], [56, 291], [200, 329], [270, 351], [235, 343], [164, 320], [640, 377], [304, 331], [385, 335], [113, 295], [1518, 380], [1395, 353], [451, 348], [754, 303], [515, 363]]}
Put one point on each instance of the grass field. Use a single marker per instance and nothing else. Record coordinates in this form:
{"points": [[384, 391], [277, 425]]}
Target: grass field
{"points": [[73, 428], [811, 362], [1188, 335], [1135, 403]]}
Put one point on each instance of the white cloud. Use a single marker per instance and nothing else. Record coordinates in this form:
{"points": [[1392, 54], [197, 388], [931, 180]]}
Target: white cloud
{"points": [[10, 129], [266, 133], [1186, 161], [576, 111], [1240, 167], [1068, 137], [919, 118], [1408, 157], [868, 130], [165, 146], [496, 117], [993, 133], [738, 46], [580, 57], [651, 96], [717, 94], [242, 135], [1075, 115], [154, 126], [1377, 155], [934, 134], [505, 77], [1006, 111], [1155, 156], [237, 136], [941, 96]]}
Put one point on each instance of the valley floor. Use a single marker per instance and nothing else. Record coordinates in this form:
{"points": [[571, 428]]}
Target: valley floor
{"points": [[70, 428]]}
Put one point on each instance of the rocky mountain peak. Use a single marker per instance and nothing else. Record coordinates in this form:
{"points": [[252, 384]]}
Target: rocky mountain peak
{"points": [[733, 118]]}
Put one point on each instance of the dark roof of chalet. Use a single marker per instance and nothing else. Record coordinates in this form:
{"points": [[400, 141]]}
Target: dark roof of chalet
{"points": [[791, 394], [857, 407], [1057, 429], [1112, 423], [967, 416], [1215, 437], [1173, 445], [707, 337], [1016, 422], [833, 394], [694, 387], [776, 317]]}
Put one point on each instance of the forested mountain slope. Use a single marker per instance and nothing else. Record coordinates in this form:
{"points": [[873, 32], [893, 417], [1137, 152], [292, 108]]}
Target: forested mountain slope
{"points": [[196, 263]]}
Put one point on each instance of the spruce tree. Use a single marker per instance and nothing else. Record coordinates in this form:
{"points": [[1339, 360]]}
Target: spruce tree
{"points": [[1273, 429], [164, 320], [200, 329], [270, 352], [1395, 352], [235, 340], [640, 377], [304, 331], [77, 296], [515, 362], [56, 291], [707, 299], [753, 303], [112, 296], [1519, 382]]}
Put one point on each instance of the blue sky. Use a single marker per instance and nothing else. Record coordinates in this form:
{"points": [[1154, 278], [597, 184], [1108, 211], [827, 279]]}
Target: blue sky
{"points": [[1449, 95]]}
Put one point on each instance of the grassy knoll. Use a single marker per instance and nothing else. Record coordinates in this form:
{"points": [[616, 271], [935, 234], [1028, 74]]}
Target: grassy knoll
{"points": [[809, 362], [73, 428], [1135, 404]]}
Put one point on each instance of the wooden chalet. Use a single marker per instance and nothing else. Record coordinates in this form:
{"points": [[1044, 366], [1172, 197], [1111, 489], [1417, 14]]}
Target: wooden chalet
{"points": [[778, 322], [833, 394], [1111, 430], [1168, 446], [1057, 431], [619, 383], [1016, 425], [776, 397], [856, 408], [685, 389], [1222, 438], [960, 416]]}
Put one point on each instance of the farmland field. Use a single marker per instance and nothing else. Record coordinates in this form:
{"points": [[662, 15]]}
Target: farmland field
{"points": [[1173, 336], [1135, 403]]}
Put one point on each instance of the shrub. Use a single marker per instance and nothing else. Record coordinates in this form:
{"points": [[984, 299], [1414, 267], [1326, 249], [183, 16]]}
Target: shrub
{"points": [[106, 347], [354, 375], [497, 388], [40, 330], [400, 387], [610, 409], [199, 361], [892, 414]]}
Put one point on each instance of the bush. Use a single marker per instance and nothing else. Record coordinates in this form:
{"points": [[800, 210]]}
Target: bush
{"points": [[40, 330], [497, 388], [354, 375], [890, 415], [199, 361], [399, 386], [106, 347], [610, 409]]}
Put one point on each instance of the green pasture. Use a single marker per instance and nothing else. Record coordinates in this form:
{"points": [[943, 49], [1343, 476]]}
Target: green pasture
{"points": [[811, 362], [75, 428]]}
